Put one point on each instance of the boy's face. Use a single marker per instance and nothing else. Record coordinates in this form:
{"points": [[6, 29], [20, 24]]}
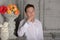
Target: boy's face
{"points": [[30, 12]]}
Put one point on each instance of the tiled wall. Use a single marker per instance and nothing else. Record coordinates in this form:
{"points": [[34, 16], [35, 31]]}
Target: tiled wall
{"points": [[52, 14]]}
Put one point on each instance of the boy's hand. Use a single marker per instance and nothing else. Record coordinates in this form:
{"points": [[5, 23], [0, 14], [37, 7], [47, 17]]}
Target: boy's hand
{"points": [[31, 19]]}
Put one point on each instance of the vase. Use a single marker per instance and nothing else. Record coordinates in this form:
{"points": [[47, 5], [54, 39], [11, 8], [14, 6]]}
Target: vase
{"points": [[11, 24]]}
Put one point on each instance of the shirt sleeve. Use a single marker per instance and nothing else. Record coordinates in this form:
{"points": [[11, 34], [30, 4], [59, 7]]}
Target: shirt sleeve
{"points": [[22, 30], [40, 32]]}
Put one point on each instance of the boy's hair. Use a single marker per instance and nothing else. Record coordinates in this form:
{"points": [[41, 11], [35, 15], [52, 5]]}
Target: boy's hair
{"points": [[27, 6]]}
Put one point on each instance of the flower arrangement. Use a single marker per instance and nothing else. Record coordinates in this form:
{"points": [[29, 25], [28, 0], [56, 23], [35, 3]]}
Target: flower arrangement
{"points": [[9, 9], [12, 8], [3, 9]]}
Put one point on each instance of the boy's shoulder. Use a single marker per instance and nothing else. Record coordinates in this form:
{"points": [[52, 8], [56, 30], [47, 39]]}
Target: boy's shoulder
{"points": [[23, 20], [38, 21]]}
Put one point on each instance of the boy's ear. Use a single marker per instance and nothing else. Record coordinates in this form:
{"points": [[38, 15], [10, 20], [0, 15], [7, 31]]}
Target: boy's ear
{"points": [[25, 15]]}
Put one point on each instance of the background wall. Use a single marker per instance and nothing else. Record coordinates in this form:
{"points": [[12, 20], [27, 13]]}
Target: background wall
{"points": [[50, 17]]}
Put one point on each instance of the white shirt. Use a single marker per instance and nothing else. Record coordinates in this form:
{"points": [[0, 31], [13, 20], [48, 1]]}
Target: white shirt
{"points": [[32, 30]]}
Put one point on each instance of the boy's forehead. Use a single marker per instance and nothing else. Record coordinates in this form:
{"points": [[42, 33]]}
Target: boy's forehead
{"points": [[30, 9]]}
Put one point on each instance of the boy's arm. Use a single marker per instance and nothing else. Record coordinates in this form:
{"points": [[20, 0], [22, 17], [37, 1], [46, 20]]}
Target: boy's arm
{"points": [[22, 29], [40, 32]]}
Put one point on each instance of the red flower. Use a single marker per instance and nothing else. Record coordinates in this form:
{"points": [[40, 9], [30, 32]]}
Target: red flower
{"points": [[3, 9]]}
